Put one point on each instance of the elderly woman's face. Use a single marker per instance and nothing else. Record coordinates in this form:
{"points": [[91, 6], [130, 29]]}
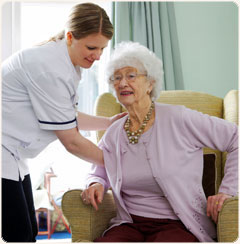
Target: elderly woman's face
{"points": [[131, 86]]}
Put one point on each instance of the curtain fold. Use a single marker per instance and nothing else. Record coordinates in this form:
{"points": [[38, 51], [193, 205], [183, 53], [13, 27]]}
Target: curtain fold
{"points": [[153, 25]]}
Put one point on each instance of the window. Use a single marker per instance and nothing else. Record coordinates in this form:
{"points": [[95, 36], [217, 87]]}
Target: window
{"points": [[33, 22]]}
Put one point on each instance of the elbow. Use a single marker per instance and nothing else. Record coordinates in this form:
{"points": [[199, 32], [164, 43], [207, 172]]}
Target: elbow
{"points": [[71, 147], [71, 140]]}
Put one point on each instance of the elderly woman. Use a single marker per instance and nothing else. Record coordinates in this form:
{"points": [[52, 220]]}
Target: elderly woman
{"points": [[154, 159]]}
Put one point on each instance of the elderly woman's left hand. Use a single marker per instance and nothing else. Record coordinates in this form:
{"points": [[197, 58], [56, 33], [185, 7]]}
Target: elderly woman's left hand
{"points": [[214, 205]]}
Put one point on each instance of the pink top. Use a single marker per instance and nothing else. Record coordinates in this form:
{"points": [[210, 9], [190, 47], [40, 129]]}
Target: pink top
{"points": [[140, 191], [175, 155]]}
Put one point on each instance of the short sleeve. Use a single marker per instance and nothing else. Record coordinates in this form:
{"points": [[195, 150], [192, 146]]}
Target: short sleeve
{"points": [[53, 99]]}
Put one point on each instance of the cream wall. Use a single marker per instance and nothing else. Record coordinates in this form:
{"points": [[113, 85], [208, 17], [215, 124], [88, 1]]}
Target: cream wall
{"points": [[208, 43]]}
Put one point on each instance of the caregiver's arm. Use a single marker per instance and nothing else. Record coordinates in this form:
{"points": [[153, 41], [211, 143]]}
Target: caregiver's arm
{"points": [[91, 122], [97, 184], [78, 145]]}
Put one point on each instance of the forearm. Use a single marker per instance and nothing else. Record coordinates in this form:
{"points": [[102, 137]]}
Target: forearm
{"points": [[229, 184], [90, 122], [87, 151], [79, 146]]}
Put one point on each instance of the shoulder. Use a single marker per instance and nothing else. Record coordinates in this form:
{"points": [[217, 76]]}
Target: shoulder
{"points": [[115, 127], [169, 110], [113, 132], [51, 51], [49, 55], [37, 53], [49, 59], [178, 113]]}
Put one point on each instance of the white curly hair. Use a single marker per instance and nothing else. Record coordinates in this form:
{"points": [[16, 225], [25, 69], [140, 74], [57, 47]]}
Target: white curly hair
{"points": [[138, 56]]}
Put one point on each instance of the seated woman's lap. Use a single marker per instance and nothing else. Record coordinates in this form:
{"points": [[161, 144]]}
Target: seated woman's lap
{"points": [[171, 233], [122, 233], [149, 230]]}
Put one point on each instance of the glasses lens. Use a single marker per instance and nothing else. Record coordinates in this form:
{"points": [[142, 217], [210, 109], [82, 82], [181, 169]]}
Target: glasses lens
{"points": [[111, 78], [115, 78], [131, 76]]}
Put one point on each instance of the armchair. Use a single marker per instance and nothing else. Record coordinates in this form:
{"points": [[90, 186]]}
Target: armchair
{"points": [[88, 224]]}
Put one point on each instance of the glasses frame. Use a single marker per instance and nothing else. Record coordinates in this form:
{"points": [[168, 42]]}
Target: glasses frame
{"points": [[125, 77]]}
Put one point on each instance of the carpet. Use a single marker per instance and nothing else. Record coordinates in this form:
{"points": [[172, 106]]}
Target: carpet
{"points": [[55, 235], [61, 233]]}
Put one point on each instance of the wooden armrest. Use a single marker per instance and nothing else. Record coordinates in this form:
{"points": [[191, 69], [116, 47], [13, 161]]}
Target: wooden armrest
{"points": [[86, 223], [227, 226]]}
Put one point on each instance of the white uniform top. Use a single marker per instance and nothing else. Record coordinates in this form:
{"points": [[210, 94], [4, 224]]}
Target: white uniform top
{"points": [[38, 96]]}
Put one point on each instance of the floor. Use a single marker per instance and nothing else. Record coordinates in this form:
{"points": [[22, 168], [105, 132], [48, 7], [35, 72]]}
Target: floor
{"points": [[55, 240]]}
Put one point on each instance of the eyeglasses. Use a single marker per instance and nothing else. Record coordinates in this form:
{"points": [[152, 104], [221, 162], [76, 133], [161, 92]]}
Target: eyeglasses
{"points": [[129, 77]]}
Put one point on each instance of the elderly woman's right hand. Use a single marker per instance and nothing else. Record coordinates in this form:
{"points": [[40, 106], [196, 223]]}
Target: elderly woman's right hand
{"points": [[93, 194]]}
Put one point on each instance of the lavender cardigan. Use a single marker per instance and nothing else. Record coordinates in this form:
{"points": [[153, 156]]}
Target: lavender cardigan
{"points": [[175, 157]]}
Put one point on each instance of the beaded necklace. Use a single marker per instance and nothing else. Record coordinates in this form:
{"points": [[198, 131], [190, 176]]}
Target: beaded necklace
{"points": [[133, 136]]}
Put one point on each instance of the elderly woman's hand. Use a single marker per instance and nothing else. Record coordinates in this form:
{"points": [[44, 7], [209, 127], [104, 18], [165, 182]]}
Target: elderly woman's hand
{"points": [[214, 205], [93, 195]]}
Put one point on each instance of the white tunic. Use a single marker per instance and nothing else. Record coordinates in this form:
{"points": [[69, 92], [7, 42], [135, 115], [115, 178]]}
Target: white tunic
{"points": [[38, 96]]}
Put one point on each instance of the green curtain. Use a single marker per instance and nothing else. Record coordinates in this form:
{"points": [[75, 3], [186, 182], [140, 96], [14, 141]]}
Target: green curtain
{"points": [[153, 25]]}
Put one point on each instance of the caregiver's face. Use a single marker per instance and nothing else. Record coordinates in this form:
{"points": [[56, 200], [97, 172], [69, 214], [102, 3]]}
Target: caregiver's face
{"points": [[85, 51]]}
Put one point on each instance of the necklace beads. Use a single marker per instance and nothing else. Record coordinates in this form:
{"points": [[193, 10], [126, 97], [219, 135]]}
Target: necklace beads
{"points": [[133, 136]]}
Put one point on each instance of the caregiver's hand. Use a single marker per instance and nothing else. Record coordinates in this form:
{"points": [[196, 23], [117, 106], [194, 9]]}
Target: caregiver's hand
{"points": [[116, 117], [214, 205], [93, 195]]}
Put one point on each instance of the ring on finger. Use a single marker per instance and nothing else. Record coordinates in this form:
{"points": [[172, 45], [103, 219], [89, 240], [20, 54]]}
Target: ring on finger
{"points": [[217, 203]]}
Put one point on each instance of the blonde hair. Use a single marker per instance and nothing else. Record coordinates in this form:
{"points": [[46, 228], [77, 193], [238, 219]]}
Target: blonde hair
{"points": [[85, 19]]}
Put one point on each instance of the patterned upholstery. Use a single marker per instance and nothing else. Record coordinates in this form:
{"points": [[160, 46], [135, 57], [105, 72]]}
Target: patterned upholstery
{"points": [[87, 224]]}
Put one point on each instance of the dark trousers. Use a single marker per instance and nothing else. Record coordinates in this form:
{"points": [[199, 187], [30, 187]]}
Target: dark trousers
{"points": [[18, 213], [149, 230]]}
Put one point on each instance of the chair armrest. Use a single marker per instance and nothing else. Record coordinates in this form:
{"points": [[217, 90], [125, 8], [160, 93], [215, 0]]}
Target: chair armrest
{"points": [[86, 223], [227, 227]]}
